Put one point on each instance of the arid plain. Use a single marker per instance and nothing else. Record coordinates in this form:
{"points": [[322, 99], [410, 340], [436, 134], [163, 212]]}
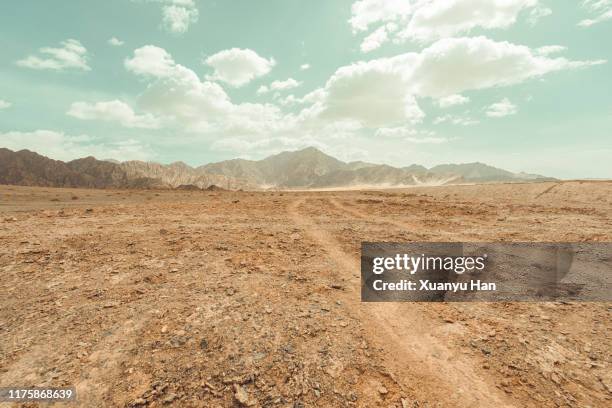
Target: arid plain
{"points": [[219, 299]]}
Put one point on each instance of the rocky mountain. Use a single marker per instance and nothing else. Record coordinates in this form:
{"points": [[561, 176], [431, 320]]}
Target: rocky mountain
{"points": [[27, 168], [179, 174], [311, 168], [303, 169], [286, 170]]}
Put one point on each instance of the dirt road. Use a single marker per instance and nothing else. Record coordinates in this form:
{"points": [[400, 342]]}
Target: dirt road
{"points": [[145, 298]]}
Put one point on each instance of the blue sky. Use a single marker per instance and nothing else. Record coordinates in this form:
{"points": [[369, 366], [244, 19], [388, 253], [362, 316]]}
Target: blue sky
{"points": [[519, 84]]}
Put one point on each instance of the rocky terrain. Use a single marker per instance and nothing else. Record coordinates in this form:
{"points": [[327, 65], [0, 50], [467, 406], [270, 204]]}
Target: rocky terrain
{"points": [[304, 169], [144, 298]]}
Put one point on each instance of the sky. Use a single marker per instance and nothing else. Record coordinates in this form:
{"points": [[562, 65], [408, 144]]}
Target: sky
{"points": [[525, 85]]}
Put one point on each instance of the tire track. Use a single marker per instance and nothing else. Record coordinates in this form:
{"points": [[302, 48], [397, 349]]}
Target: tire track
{"points": [[548, 190], [418, 360], [375, 218]]}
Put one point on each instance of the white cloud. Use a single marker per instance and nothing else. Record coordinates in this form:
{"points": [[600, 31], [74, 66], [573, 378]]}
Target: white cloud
{"points": [[177, 18], [602, 9], [367, 12], [453, 65], [550, 49], [410, 134], [426, 140], [452, 100], [177, 15], [60, 146], [429, 20], [456, 120], [304, 67], [501, 109], [151, 61], [375, 39], [177, 94], [70, 55], [373, 93], [238, 67], [114, 41], [4, 104], [439, 19], [383, 91], [313, 97], [113, 111], [287, 84], [537, 13]]}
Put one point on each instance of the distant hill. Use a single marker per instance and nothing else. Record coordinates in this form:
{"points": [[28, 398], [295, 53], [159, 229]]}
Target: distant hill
{"points": [[179, 174], [302, 169], [31, 169], [286, 170], [311, 168]]}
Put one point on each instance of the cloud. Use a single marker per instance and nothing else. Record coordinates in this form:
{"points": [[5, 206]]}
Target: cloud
{"points": [[238, 67], [453, 65], [313, 97], [411, 135], [60, 146], [375, 39], [426, 140], [4, 104], [429, 20], [501, 109], [114, 41], [367, 12], [452, 100], [550, 49], [456, 120], [304, 67], [177, 18], [537, 13], [177, 94], [287, 84], [113, 111], [383, 91], [150, 61], [602, 9], [373, 93], [177, 15], [70, 55]]}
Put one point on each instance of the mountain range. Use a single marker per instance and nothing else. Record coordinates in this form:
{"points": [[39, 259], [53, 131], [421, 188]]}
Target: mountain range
{"points": [[303, 169]]}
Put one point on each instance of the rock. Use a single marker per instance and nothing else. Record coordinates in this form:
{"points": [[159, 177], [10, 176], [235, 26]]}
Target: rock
{"points": [[241, 396], [383, 390], [404, 402], [203, 344], [169, 398], [138, 401]]}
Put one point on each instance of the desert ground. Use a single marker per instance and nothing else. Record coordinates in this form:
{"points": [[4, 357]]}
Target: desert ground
{"points": [[223, 299]]}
